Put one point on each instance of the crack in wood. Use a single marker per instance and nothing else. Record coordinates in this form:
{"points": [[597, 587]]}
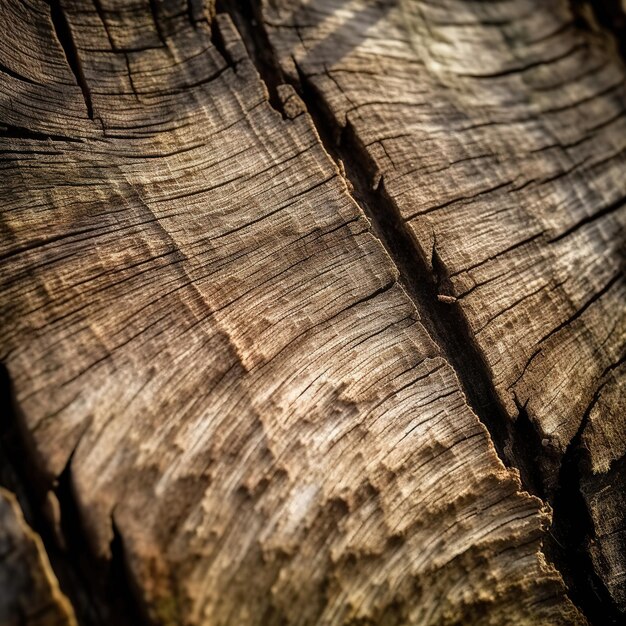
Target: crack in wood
{"points": [[426, 280], [66, 40], [518, 444], [98, 591]]}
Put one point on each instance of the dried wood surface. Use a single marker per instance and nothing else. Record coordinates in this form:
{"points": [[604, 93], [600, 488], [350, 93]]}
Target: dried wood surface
{"points": [[248, 403]]}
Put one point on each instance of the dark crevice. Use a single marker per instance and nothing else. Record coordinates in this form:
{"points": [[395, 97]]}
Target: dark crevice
{"points": [[572, 530], [246, 16], [19, 132], [110, 590], [66, 39], [97, 592], [121, 580], [217, 40], [19, 476], [195, 12], [443, 319], [606, 15], [154, 10], [517, 442], [426, 280], [526, 449]]}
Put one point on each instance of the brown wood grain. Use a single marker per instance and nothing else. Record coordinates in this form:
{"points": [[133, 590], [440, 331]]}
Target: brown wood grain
{"points": [[217, 355]]}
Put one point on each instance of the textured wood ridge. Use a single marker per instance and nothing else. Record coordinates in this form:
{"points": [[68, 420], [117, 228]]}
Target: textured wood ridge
{"points": [[210, 345], [29, 592], [496, 132]]}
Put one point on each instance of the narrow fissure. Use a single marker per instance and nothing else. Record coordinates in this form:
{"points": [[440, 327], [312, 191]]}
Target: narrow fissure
{"points": [[606, 15], [99, 595], [517, 443], [443, 319], [248, 20], [571, 530], [64, 35], [154, 10], [19, 132]]}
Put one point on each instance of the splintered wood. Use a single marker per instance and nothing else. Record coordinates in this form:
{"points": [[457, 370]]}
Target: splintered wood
{"points": [[204, 333]]}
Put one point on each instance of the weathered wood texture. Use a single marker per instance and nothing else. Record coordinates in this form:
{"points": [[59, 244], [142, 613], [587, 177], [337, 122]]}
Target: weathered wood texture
{"points": [[29, 592], [495, 134], [205, 335]]}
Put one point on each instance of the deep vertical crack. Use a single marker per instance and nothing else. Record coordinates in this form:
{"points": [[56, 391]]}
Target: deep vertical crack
{"points": [[572, 529], [99, 595], [247, 18], [444, 320], [517, 443], [66, 39]]}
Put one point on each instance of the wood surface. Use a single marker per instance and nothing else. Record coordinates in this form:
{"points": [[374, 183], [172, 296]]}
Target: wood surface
{"points": [[495, 136], [326, 327]]}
